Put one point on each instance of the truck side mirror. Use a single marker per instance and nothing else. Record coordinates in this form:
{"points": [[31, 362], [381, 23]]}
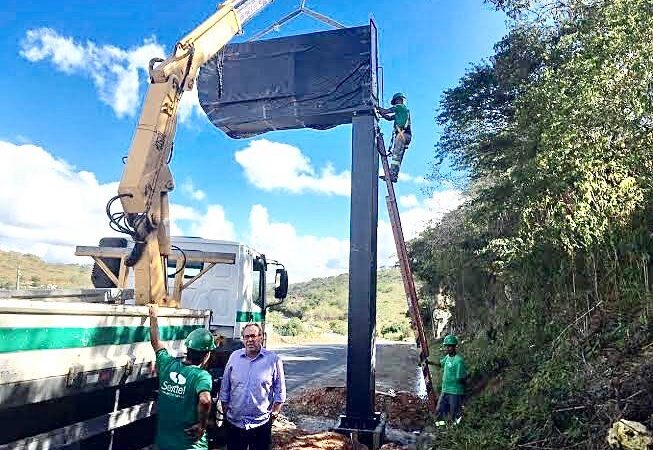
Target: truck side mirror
{"points": [[281, 284]]}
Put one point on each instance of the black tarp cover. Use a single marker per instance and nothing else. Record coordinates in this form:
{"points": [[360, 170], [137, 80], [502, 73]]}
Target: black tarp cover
{"points": [[315, 80]]}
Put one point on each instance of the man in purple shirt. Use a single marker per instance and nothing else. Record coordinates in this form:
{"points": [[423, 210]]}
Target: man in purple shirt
{"points": [[252, 393]]}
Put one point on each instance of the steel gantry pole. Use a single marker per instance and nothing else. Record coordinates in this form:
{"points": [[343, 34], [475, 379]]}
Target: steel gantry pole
{"points": [[360, 417]]}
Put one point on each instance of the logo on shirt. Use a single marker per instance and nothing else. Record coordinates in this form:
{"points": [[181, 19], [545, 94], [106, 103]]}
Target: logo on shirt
{"points": [[178, 378], [177, 389]]}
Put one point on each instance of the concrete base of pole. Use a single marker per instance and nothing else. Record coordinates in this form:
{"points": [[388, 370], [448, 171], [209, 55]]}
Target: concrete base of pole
{"points": [[370, 431]]}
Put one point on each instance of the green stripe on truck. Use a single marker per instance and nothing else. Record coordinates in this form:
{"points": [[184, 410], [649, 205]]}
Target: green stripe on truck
{"points": [[24, 339], [249, 316]]}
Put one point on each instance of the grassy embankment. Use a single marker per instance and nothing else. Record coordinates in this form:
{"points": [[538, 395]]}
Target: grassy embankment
{"points": [[319, 306], [36, 273]]}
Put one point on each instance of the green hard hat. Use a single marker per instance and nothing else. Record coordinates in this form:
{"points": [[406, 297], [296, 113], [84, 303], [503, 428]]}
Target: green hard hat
{"points": [[200, 340], [396, 97], [450, 340]]}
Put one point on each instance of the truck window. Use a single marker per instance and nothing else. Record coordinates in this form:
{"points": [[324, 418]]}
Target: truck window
{"points": [[192, 268], [257, 296]]}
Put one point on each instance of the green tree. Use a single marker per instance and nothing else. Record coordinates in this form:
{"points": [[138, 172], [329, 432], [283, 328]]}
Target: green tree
{"points": [[555, 135], [292, 327], [35, 281]]}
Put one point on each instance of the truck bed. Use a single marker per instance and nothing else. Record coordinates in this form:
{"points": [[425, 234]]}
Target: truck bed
{"points": [[57, 343], [76, 366]]}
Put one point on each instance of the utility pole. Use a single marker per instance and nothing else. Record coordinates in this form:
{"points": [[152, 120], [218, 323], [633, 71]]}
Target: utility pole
{"points": [[18, 276]]}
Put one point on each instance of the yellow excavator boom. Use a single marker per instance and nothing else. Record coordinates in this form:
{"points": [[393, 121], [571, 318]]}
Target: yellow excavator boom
{"points": [[147, 179]]}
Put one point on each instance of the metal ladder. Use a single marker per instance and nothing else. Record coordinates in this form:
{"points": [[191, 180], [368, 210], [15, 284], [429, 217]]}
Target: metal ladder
{"points": [[406, 274]]}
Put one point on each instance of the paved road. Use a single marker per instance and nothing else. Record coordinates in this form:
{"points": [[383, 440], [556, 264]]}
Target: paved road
{"points": [[305, 363], [310, 366]]}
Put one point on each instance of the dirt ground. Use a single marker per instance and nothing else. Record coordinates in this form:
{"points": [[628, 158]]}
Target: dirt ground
{"points": [[403, 409], [286, 436], [318, 404]]}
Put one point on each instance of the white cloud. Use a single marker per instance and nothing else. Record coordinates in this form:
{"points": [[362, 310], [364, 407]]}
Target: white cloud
{"points": [[408, 201], [275, 166], [305, 256], [416, 218], [406, 177], [116, 73], [189, 189], [47, 206], [42, 43], [212, 224], [386, 253], [189, 106], [181, 212]]}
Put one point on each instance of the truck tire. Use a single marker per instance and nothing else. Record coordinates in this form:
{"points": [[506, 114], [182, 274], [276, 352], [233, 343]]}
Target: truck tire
{"points": [[98, 277]]}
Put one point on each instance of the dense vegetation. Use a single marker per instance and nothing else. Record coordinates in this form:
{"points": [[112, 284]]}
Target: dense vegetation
{"points": [[320, 305], [36, 273], [548, 264]]}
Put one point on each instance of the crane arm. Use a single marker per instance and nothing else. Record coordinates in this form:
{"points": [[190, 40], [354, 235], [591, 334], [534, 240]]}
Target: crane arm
{"points": [[147, 179]]}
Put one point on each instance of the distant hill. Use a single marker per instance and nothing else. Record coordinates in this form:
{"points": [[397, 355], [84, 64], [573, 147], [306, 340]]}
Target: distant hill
{"points": [[37, 273], [320, 304]]}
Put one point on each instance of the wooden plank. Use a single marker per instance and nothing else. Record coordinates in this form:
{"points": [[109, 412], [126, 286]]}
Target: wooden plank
{"points": [[196, 277], [123, 273], [82, 430], [179, 281], [191, 255]]}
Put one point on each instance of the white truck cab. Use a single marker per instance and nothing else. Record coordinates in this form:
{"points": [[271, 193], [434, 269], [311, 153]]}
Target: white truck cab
{"points": [[234, 293]]}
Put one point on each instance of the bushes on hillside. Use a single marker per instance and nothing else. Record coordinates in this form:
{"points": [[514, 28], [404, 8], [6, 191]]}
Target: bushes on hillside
{"points": [[396, 331], [338, 327], [291, 327], [549, 263]]}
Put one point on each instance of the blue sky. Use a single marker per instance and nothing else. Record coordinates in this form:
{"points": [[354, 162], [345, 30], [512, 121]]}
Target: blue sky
{"points": [[73, 86]]}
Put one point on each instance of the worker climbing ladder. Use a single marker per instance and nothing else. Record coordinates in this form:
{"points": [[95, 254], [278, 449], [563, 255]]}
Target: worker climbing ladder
{"points": [[406, 273]]}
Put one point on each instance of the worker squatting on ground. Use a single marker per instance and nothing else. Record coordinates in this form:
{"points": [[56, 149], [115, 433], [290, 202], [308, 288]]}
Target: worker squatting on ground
{"points": [[252, 392], [454, 375], [401, 133], [184, 390]]}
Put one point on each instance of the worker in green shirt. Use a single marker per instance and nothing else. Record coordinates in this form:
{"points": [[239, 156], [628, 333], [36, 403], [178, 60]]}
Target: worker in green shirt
{"points": [[454, 375], [401, 133], [184, 390]]}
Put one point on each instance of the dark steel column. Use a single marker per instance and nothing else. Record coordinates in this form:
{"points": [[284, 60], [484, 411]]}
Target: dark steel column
{"points": [[359, 413]]}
